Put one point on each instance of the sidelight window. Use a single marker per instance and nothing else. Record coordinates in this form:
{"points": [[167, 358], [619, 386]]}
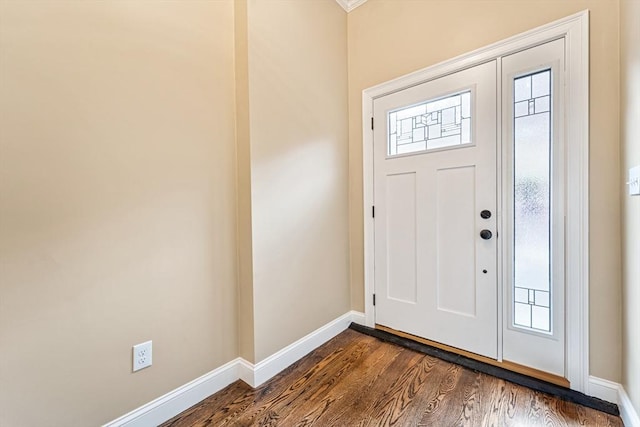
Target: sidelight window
{"points": [[532, 201]]}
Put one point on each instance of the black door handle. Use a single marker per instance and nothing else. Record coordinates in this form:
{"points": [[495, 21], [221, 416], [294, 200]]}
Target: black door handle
{"points": [[486, 234]]}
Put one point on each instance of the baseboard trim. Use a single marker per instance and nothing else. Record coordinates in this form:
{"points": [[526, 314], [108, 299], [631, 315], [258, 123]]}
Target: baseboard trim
{"points": [[358, 317], [628, 413], [615, 392], [183, 397], [256, 374], [603, 389]]}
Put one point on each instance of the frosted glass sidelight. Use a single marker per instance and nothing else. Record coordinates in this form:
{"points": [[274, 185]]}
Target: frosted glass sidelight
{"points": [[532, 195], [436, 123]]}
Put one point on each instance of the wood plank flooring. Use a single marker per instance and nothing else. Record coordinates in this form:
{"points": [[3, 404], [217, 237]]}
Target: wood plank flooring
{"points": [[358, 380]]}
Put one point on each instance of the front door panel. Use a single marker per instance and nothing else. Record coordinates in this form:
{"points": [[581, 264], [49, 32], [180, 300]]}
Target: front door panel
{"points": [[435, 172]]}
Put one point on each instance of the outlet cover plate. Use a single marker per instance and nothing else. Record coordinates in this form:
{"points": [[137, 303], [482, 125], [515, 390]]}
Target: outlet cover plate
{"points": [[634, 181], [142, 355]]}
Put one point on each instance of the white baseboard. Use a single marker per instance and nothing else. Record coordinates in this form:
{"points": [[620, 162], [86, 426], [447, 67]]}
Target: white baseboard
{"points": [[183, 397], [603, 389], [265, 369], [614, 392], [358, 317], [628, 413], [176, 401]]}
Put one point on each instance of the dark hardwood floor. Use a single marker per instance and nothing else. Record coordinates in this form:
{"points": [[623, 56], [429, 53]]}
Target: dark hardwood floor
{"points": [[358, 380]]}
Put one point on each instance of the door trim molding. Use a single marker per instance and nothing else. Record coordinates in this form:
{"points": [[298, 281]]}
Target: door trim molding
{"points": [[575, 30]]}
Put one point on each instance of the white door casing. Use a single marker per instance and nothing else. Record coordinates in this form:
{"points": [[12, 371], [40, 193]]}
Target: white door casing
{"points": [[435, 276], [574, 31]]}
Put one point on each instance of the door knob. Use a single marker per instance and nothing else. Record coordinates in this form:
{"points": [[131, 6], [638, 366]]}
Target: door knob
{"points": [[486, 234], [485, 214]]}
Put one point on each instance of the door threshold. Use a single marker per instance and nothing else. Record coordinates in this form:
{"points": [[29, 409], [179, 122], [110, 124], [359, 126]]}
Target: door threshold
{"points": [[477, 363], [505, 364]]}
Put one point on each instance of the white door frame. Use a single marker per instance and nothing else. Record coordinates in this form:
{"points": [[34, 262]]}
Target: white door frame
{"points": [[575, 30]]}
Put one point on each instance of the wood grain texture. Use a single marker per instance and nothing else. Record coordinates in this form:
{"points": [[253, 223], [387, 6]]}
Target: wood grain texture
{"points": [[512, 366], [358, 380]]}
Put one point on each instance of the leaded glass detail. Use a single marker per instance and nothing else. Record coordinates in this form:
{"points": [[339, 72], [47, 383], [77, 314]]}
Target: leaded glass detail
{"points": [[437, 123], [531, 208]]}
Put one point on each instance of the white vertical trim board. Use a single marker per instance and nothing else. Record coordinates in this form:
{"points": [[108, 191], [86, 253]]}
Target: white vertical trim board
{"points": [[574, 30], [368, 200], [183, 397], [577, 201], [615, 393]]}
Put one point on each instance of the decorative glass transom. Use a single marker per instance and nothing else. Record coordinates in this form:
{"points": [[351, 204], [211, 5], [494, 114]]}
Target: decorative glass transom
{"points": [[532, 207], [436, 123]]}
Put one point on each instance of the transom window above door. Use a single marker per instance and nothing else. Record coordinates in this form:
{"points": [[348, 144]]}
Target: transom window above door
{"points": [[436, 123]]}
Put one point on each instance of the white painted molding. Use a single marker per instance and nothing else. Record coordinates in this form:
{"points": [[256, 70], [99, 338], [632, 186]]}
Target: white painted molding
{"points": [[246, 371], [344, 4], [576, 33], [349, 5], [358, 317], [628, 413], [575, 30], [183, 397], [368, 203], [258, 373], [603, 389], [614, 393]]}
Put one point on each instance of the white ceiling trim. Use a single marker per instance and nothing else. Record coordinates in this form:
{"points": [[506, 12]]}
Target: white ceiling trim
{"points": [[349, 5]]}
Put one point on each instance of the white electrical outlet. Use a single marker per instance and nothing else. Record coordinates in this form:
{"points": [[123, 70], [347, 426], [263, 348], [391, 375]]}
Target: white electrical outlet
{"points": [[142, 355], [634, 181]]}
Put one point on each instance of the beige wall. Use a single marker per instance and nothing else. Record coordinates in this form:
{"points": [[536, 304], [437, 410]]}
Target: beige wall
{"points": [[299, 168], [388, 39], [119, 192], [630, 139], [117, 213]]}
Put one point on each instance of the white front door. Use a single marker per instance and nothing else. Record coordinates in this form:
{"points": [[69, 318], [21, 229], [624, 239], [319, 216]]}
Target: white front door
{"points": [[435, 151], [520, 293]]}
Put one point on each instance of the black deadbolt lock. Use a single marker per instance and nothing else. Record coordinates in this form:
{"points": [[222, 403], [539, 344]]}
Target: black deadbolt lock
{"points": [[486, 234], [485, 214]]}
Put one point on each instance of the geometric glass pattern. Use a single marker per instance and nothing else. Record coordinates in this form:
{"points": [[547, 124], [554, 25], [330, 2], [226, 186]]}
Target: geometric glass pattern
{"points": [[436, 123], [532, 196]]}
